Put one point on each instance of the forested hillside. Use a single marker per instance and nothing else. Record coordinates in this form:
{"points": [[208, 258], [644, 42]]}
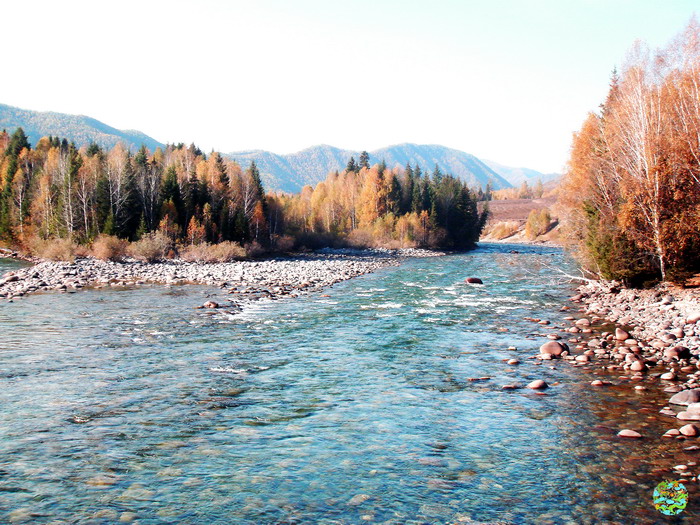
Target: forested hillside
{"points": [[79, 129], [180, 196], [632, 190], [310, 166]]}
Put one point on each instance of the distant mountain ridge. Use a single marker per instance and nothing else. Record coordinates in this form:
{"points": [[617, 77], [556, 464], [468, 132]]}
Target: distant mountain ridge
{"points": [[289, 172], [77, 128], [517, 176], [310, 166]]}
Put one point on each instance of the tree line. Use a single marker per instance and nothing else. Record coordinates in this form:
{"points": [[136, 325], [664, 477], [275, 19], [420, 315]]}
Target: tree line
{"points": [[632, 190], [58, 191]]}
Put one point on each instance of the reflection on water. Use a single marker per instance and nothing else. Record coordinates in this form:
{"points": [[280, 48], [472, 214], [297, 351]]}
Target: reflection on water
{"points": [[352, 408]]}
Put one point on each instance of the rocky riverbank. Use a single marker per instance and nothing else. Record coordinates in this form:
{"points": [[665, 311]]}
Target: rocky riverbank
{"points": [[244, 281], [645, 340]]}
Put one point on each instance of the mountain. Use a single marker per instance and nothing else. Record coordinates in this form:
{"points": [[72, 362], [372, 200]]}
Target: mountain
{"points": [[77, 128], [516, 176], [310, 166]]}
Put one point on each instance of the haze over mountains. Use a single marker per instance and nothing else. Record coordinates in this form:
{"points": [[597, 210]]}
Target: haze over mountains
{"points": [[77, 128], [312, 165], [288, 172]]}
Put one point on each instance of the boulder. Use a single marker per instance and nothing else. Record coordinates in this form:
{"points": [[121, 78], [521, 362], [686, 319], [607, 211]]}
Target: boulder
{"points": [[211, 304], [538, 384], [473, 280], [553, 348], [693, 318], [686, 397]]}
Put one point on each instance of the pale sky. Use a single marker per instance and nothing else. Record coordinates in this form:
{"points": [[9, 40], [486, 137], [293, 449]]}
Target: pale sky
{"points": [[508, 81]]}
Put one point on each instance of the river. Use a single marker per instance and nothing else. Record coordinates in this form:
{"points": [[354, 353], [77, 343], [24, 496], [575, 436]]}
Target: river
{"points": [[352, 408]]}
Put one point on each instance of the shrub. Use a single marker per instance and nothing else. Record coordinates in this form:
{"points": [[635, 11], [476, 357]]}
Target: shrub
{"points": [[254, 249], [212, 253], [53, 249], [502, 230], [152, 247], [538, 223], [283, 243], [109, 248]]}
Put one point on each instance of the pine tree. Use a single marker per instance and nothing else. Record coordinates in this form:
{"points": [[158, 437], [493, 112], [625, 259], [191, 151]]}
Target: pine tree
{"points": [[352, 166], [364, 160]]}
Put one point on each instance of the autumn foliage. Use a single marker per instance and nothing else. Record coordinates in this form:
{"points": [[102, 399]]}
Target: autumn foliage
{"points": [[375, 206], [179, 200], [632, 190]]}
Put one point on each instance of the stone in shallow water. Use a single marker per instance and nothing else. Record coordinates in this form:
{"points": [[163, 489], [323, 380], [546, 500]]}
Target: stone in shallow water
{"points": [[538, 384], [638, 366], [686, 397], [627, 433], [688, 416], [553, 348], [358, 499], [673, 432], [689, 430]]}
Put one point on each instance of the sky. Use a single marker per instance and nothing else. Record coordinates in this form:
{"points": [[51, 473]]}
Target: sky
{"points": [[508, 80]]}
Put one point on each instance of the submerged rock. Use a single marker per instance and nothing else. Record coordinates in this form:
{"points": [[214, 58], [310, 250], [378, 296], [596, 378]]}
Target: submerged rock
{"points": [[473, 280]]}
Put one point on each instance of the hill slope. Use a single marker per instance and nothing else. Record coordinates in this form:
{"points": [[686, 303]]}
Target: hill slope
{"points": [[78, 128], [310, 166], [516, 176]]}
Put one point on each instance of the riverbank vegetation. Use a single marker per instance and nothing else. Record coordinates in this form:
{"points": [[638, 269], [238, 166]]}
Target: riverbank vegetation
{"points": [[58, 201], [632, 191]]}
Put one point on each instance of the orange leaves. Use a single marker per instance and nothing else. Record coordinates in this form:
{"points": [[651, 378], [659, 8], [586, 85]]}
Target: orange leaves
{"points": [[635, 170]]}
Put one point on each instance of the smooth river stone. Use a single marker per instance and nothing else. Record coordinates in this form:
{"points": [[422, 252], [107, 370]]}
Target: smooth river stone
{"points": [[553, 348], [689, 430], [621, 335], [626, 433], [686, 397], [688, 416], [538, 384], [638, 366]]}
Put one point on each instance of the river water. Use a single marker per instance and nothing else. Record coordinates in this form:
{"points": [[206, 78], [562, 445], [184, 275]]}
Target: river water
{"points": [[352, 408]]}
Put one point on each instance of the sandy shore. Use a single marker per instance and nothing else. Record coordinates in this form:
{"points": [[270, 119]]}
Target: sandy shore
{"points": [[244, 280]]}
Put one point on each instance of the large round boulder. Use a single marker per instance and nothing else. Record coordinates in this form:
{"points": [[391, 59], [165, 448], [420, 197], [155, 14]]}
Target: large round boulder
{"points": [[553, 348]]}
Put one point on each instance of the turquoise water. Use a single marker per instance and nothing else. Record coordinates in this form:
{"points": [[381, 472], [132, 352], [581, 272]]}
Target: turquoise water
{"points": [[352, 408]]}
